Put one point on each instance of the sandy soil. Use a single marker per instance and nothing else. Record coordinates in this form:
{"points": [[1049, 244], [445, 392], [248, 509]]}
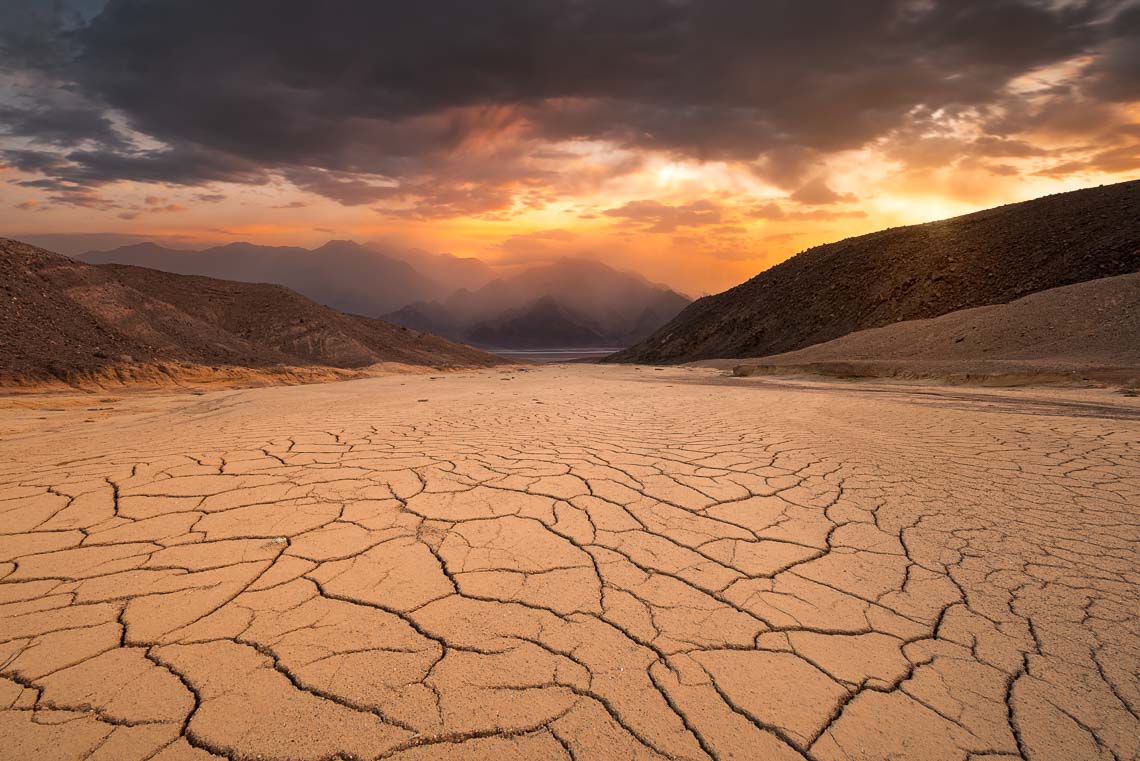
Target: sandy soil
{"points": [[571, 562], [992, 373]]}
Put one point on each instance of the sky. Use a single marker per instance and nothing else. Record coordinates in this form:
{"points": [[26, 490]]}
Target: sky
{"points": [[696, 142]]}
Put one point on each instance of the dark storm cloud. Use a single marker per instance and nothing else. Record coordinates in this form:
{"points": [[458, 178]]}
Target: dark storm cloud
{"points": [[32, 161], [59, 124], [326, 91], [38, 34], [348, 188], [188, 164], [1117, 73]]}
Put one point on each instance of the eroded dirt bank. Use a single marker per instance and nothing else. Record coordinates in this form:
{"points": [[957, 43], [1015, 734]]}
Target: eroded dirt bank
{"points": [[573, 562]]}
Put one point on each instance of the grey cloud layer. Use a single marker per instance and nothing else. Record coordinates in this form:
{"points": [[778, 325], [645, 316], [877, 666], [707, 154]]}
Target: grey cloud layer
{"points": [[325, 91]]}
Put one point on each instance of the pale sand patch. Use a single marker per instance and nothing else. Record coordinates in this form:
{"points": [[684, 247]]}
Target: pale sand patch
{"points": [[586, 562]]}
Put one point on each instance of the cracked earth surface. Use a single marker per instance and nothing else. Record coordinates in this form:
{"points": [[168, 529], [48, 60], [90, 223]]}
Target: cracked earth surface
{"points": [[575, 562]]}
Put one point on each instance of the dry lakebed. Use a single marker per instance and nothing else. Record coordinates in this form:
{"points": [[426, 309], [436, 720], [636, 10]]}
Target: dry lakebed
{"points": [[571, 562]]}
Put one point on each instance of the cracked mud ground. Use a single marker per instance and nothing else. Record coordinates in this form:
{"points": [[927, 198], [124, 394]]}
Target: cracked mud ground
{"points": [[575, 562]]}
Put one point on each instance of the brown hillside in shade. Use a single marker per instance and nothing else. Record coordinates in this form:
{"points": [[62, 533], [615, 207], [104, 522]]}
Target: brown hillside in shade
{"points": [[60, 317], [1090, 328], [909, 273]]}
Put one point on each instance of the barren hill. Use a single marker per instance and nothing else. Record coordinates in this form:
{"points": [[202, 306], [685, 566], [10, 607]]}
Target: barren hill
{"points": [[909, 273], [61, 318], [1087, 328]]}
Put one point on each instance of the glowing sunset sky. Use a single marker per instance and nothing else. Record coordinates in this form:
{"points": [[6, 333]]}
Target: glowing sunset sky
{"points": [[695, 142]]}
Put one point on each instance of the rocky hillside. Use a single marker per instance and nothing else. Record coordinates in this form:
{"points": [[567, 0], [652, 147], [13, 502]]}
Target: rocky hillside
{"points": [[909, 273], [59, 316]]}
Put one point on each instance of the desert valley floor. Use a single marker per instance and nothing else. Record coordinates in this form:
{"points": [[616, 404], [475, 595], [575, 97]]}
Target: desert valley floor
{"points": [[571, 562]]}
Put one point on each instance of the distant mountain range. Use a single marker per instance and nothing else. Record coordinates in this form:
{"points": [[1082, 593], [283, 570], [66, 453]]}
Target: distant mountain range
{"points": [[340, 274], [909, 273], [570, 303], [62, 319]]}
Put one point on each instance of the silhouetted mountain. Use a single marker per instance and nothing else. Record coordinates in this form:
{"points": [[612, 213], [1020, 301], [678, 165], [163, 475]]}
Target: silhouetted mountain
{"points": [[540, 324], [447, 272], [61, 317], [907, 273], [428, 316], [606, 307], [340, 274]]}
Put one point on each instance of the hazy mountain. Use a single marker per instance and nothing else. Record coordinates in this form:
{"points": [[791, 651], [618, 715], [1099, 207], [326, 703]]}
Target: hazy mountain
{"points": [[340, 274], [439, 293], [569, 303], [907, 273], [61, 317], [541, 324], [448, 272], [577, 302], [428, 316], [590, 287]]}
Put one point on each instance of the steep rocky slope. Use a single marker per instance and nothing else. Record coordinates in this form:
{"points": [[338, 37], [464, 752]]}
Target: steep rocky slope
{"points": [[909, 273]]}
